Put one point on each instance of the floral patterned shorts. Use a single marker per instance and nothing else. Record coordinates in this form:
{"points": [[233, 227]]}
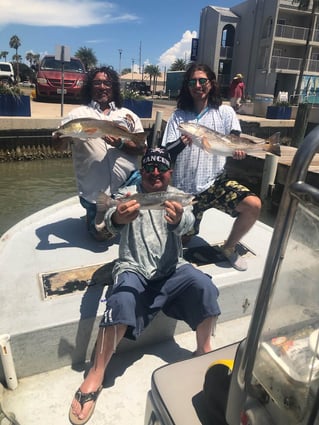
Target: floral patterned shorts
{"points": [[224, 195]]}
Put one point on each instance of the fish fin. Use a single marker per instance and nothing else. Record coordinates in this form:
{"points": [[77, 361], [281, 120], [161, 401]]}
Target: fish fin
{"points": [[120, 126], [139, 137], [90, 130], [274, 144], [205, 144], [104, 202]]}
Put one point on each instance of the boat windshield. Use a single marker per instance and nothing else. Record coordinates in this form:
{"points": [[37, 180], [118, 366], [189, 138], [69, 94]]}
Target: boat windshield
{"points": [[287, 360]]}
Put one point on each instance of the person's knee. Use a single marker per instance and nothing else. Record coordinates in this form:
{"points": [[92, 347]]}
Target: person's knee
{"points": [[123, 304], [250, 205]]}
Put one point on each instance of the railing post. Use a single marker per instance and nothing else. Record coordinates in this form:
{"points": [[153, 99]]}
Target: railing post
{"points": [[269, 175], [157, 128]]}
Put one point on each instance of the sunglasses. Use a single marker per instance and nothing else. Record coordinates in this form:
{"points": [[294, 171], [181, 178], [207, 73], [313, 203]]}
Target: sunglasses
{"points": [[192, 82], [149, 168], [99, 83]]}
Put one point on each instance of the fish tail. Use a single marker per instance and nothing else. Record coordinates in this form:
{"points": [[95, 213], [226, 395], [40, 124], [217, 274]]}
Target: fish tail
{"points": [[274, 144], [104, 202]]}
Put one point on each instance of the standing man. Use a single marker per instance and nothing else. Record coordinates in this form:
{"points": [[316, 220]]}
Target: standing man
{"points": [[102, 164], [150, 275], [237, 91], [202, 173]]}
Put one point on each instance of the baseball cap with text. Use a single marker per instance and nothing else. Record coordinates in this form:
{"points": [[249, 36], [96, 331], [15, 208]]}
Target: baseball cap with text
{"points": [[156, 156]]}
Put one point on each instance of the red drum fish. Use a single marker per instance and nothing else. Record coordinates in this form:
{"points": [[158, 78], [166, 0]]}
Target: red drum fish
{"points": [[90, 128], [216, 143]]}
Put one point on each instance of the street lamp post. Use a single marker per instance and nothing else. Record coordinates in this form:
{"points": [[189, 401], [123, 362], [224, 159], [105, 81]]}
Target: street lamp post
{"points": [[120, 60], [133, 60]]}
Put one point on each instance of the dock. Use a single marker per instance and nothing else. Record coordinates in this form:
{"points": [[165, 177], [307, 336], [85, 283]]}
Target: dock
{"points": [[46, 117]]}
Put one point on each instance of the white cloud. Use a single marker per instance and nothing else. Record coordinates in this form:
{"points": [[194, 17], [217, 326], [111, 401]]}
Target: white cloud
{"points": [[66, 13], [180, 50]]}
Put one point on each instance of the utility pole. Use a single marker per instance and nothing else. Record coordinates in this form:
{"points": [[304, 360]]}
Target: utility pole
{"points": [[120, 60], [133, 60], [140, 59]]}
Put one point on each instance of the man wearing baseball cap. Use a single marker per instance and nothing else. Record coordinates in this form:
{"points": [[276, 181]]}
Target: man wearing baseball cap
{"points": [[150, 275], [237, 91]]}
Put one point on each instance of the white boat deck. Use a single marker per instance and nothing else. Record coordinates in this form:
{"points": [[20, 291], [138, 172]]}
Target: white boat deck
{"points": [[45, 398], [52, 335]]}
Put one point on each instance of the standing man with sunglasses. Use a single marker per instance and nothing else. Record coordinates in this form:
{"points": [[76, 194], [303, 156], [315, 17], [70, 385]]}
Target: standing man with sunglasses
{"points": [[150, 275], [201, 173], [102, 164]]}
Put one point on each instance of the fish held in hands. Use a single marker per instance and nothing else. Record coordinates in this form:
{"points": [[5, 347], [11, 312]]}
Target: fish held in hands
{"points": [[90, 128], [147, 201], [219, 144]]}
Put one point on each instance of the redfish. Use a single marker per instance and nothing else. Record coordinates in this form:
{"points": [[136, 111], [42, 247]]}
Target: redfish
{"points": [[90, 128], [216, 143]]}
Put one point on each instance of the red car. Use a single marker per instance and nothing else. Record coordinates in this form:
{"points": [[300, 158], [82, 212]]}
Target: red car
{"points": [[49, 79]]}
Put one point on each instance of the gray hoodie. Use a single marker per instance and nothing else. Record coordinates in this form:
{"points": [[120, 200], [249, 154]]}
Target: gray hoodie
{"points": [[149, 245]]}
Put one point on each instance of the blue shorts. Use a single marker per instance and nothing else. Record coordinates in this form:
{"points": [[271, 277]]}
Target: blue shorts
{"points": [[188, 294]]}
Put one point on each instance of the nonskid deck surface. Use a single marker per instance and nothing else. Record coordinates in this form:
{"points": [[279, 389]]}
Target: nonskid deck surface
{"points": [[49, 331], [46, 398], [55, 240]]}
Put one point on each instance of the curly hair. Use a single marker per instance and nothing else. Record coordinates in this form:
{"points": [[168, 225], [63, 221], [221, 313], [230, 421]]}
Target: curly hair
{"points": [[185, 100], [112, 76]]}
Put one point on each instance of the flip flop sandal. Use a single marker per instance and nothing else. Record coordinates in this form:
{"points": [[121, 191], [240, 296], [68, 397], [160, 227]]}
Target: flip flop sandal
{"points": [[83, 398]]}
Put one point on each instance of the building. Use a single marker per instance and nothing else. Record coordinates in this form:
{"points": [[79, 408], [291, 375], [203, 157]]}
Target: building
{"points": [[266, 41]]}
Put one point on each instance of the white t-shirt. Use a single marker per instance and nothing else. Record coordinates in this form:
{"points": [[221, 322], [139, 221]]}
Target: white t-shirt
{"points": [[97, 165], [195, 170]]}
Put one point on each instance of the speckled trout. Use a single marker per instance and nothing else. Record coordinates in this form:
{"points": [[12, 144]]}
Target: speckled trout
{"points": [[216, 143], [147, 201], [90, 128]]}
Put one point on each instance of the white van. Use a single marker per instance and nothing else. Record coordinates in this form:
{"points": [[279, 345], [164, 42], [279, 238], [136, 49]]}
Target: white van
{"points": [[7, 73]]}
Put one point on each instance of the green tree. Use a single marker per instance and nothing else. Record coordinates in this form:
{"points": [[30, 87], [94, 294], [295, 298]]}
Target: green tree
{"points": [[29, 58], [87, 56], [178, 65], [17, 58], [125, 71], [304, 5], [15, 43], [4, 55], [154, 72]]}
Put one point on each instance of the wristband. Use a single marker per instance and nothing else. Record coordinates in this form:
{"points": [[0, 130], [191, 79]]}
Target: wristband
{"points": [[121, 145]]}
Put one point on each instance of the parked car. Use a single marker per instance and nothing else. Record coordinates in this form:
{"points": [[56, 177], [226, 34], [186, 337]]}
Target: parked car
{"points": [[7, 73], [139, 87], [49, 79]]}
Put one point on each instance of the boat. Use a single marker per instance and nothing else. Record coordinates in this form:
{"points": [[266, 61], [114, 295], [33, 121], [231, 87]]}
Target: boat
{"points": [[270, 377], [53, 279]]}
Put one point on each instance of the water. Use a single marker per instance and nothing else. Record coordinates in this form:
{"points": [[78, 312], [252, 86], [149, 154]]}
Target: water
{"points": [[28, 186]]}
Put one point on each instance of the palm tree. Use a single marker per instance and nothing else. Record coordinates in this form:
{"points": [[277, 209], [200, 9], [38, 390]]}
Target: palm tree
{"points": [[36, 59], [15, 43], [29, 58], [4, 54], [178, 65], [304, 5], [153, 71], [87, 56]]}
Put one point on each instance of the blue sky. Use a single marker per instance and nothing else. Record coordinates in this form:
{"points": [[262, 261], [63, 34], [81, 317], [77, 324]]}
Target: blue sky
{"points": [[147, 32]]}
